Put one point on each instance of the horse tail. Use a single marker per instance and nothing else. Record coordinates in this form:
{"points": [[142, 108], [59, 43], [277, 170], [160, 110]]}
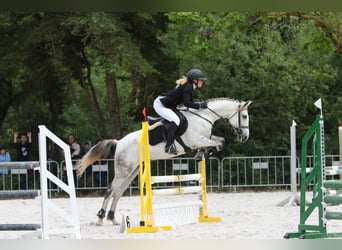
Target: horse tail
{"points": [[99, 151]]}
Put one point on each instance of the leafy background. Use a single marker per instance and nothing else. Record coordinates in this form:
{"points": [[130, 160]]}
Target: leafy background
{"points": [[91, 73]]}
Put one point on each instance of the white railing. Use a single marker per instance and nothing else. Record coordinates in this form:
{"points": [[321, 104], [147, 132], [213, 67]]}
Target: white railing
{"points": [[228, 173]]}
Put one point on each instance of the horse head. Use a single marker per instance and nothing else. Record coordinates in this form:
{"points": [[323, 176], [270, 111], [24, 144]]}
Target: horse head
{"points": [[236, 112], [239, 121]]}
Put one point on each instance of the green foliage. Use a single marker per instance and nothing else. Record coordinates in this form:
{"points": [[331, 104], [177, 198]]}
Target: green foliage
{"points": [[250, 56], [57, 69]]}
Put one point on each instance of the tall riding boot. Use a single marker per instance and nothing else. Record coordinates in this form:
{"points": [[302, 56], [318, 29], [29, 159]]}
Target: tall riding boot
{"points": [[170, 147]]}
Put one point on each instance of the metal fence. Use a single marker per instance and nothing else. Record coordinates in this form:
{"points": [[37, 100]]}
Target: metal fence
{"points": [[258, 171], [228, 173]]}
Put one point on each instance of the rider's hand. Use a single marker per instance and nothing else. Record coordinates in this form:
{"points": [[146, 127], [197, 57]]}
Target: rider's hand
{"points": [[203, 105]]}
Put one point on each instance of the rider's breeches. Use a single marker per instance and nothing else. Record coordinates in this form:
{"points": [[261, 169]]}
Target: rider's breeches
{"points": [[164, 112]]}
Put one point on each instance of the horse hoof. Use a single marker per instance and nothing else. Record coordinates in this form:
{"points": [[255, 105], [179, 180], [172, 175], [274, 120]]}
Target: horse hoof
{"points": [[99, 223], [198, 156], [219, 148], [115, 222]]}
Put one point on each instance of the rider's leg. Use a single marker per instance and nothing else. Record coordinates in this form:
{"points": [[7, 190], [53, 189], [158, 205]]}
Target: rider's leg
{"points": [[171, 116], [170, 147]]}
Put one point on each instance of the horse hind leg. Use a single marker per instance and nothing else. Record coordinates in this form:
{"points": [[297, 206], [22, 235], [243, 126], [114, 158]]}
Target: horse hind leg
{"points": [[101, 214], [119, 185]]}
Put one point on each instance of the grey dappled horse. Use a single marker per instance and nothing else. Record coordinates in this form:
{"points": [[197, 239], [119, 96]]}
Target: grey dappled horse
{"points": [[198, 135]]}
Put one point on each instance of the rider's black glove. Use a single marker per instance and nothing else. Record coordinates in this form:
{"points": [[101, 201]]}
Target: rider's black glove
{"points": [[203, 105]]}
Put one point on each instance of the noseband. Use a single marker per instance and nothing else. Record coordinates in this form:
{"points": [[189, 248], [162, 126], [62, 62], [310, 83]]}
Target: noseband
{"points": [[238, 130]]}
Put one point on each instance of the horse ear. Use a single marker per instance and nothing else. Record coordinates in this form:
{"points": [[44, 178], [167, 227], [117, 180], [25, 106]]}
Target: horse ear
{"points": [[246, 104]]}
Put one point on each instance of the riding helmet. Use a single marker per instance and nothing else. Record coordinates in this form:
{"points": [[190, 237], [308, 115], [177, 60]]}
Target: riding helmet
{"points": [[195, 74]]}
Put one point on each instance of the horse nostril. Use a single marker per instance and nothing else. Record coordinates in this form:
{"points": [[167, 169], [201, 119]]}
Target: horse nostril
{"points": [[245, 138]]}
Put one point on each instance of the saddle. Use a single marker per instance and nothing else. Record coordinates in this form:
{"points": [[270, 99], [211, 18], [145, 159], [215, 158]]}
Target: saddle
{"points": [[158, 133]]}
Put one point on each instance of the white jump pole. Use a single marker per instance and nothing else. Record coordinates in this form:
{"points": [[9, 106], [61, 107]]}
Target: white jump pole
{"points": [[47, 205], [293, 199], [175, 178]]}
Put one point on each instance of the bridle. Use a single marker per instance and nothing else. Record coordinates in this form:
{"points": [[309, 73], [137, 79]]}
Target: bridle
{"points": [[237, 131]]}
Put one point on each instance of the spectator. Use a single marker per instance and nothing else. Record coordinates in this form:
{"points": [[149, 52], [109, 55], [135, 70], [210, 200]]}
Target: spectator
{"points": [[23, 147], [75, 148], [52, 158], [23, 154], [51, 151], [4, 155], [86, 147]]}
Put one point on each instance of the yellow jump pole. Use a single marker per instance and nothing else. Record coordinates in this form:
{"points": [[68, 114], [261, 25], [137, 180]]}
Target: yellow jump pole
{"points": [[146, 220], [204, 215]]}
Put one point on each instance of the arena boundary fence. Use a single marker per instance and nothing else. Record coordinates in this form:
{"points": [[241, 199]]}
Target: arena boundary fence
{"points": [[230, 173]]}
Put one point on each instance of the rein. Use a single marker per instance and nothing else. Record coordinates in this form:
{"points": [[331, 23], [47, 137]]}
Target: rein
{"points": [[221, 117], [200, 116]]}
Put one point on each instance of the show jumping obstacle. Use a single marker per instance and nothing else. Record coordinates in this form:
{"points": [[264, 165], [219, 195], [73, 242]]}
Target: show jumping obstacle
{"points": [[147, 219], [19, 194], [324, 192], [293, 199], [19, 227], [18, 168], [71, 215]]}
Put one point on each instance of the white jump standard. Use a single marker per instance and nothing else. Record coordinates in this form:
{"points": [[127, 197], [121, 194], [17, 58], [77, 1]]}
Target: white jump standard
{"points": [[47, 205], [45, 230]]}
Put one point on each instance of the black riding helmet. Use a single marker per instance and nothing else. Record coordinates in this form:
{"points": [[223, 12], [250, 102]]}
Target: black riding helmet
{"points": [[195, 74]]}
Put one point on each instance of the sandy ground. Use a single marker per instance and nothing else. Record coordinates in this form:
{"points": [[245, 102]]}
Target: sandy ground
{"points": [[244, 215]]}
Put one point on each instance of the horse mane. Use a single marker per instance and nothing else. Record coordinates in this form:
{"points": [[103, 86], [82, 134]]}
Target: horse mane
{"points": [[214, 100], [223, 99]]}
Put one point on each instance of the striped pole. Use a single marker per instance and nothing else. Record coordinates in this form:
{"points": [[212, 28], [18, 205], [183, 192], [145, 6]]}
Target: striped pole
{"points": [[181, 190], [175, 178]]}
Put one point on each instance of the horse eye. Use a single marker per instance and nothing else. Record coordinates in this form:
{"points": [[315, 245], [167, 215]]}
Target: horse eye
{"points": [[244, 116]]}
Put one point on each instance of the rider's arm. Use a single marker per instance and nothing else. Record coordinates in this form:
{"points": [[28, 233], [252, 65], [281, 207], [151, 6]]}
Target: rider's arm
{"points": [[187, 97]]}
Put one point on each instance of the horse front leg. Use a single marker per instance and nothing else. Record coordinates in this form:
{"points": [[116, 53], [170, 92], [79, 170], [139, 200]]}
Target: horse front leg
{"points": [[205, 142], [220, 140]]}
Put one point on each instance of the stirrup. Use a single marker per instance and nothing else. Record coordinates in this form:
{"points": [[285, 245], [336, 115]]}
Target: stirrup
{"points": [[171, 149]]}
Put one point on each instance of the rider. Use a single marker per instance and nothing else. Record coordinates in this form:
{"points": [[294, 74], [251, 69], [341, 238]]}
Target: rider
{"points": [[166, 104]]}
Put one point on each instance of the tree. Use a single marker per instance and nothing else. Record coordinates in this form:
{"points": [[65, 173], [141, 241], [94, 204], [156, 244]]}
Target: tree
{"points": [[114, 46], [252, 56]]}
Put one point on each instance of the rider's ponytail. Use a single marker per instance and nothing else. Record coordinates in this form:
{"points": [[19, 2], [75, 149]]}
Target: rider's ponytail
{"points": [[181, 81]]}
